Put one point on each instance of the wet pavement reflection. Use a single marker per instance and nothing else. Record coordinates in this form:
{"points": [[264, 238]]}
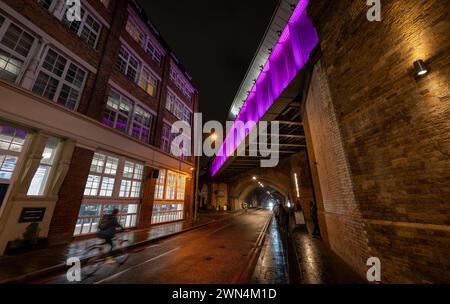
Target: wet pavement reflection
{"points": [[271, 267], [320, 265]]}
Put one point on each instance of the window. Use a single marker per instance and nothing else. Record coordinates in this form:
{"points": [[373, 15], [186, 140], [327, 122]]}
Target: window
{"points": [[148, 82], [105, 3], [180, 81], [136, 32], [15, 46], [177, 108], [114, 183], [102, 178], [90, 215], [127, 64], [181, 185], [40, 179], [166, 138], [154, 53], [169, 197], [120, 113], [160, 183], [170, 186], [12, 141], [142, 122], [60, 80], [88, 29], [117, 112], [46, 4], [132, 179]]}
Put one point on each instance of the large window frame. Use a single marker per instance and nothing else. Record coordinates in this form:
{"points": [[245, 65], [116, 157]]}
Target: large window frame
{"points": [[148, 82], [127, 116], [124, 193], [176, 106], [88, 29], [60, 79], [39, 183], [12, 146], [169, 197], [16, 44], [128, 64], [142, 37], [181, 82]]}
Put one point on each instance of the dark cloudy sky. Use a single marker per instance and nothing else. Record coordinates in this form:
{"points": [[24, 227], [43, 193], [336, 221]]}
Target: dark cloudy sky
{"points": [[215, 41]]}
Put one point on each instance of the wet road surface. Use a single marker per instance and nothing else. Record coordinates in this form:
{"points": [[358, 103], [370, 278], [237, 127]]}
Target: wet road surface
{"points": [[214, 254]]}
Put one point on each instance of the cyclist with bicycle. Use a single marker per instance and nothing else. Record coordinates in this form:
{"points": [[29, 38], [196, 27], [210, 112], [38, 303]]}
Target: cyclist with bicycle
{"points": [[107, 229]]}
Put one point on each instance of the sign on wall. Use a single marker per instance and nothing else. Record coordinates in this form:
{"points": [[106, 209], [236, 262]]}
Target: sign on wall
{"points": [[30, 215]]}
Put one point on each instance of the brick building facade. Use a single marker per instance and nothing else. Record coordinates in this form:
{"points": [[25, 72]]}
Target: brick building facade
{"points": [[86, 114], [394, 131]]}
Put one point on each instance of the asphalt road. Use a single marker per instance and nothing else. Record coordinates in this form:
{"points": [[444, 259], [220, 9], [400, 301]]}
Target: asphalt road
{"points": [[214, 254]]}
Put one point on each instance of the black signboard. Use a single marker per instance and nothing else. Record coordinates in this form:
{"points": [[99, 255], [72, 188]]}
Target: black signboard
{"points": [[30, 215], [3, 190]]}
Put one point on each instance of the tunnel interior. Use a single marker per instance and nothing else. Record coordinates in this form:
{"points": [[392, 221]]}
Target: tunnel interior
{"points": [[265, 197]]}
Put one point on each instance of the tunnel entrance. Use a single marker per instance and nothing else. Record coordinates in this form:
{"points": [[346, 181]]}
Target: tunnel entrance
{"points": [[265, 197]]}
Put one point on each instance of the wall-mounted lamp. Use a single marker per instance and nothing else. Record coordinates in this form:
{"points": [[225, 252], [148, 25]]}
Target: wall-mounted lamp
{"points": [[254, 177], [421, 68]]}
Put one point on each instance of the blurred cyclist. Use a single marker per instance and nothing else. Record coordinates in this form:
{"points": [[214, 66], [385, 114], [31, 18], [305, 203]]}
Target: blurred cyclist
{"points": [[108, 228]]}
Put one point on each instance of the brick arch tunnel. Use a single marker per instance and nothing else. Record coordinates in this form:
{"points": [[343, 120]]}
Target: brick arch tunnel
{"points": [[253, 185]]}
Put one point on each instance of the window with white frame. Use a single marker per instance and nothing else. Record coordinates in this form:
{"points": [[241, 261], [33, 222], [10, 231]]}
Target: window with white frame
{"points": [[103, 175], [12, 141], [88, 29], [160, 185], [132, 180], [117, 112], [181, 186], [142, 123], [171, 185], [126, 116], [148, 82], [91, 213], [60, 80], [153, 52], [114, 182], [136, 33], [175, 106], [169, 197], [46, 4], [15, 46], [166, 138], [40, 179], [180, 81], [127, 64]]}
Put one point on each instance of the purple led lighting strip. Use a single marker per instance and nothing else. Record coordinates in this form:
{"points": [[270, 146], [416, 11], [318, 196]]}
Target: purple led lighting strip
{"points": [[288, 57]]}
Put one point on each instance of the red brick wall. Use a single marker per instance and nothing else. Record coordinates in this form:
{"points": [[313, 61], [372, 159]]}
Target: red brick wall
{"points": [[70, 197], [148, 194], [394, 127]]}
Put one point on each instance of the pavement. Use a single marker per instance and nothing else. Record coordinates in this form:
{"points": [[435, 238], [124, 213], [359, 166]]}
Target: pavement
{"points": [[318, 263], [27, 266]]}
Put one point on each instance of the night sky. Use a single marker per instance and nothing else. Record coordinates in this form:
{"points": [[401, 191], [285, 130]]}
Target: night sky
{"points": [[215, 41]]}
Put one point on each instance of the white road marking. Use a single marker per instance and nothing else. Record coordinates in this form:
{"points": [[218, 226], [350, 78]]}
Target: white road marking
{"points": [[135, 266]]}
